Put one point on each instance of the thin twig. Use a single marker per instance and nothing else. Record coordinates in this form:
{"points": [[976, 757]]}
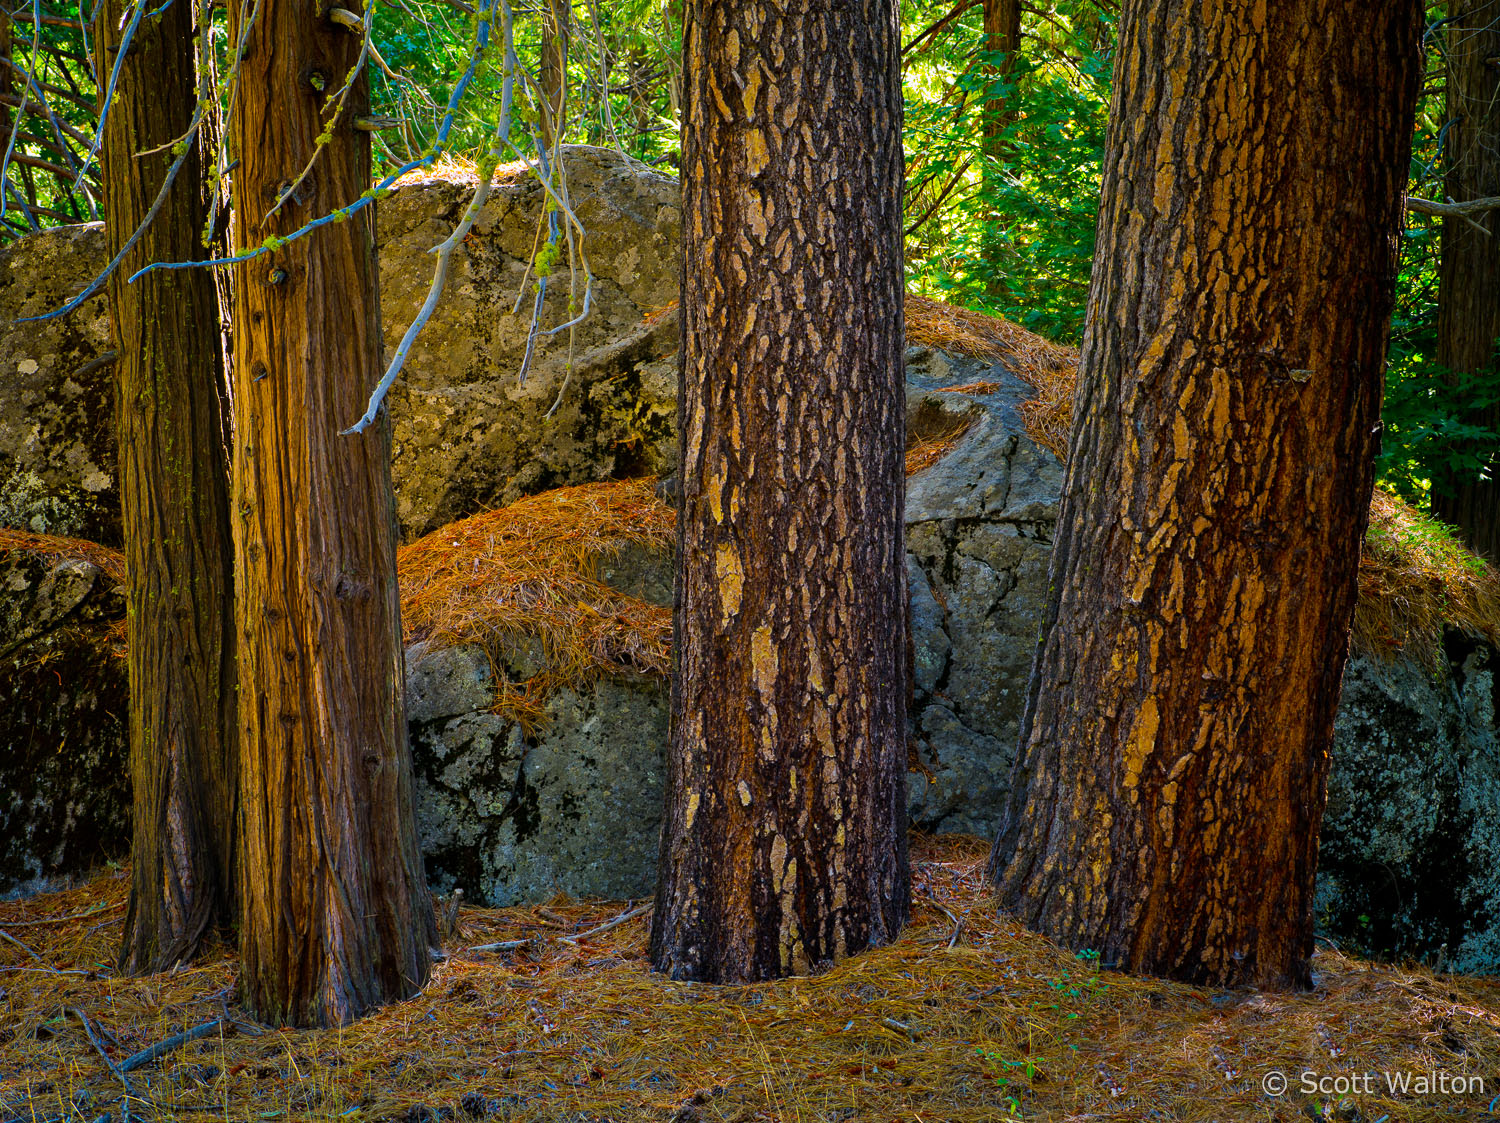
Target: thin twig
{"points": [[88, 1027], [615, 923], [89, 367], [514, 945], [96, 910], [504, 945], [8, 938]]}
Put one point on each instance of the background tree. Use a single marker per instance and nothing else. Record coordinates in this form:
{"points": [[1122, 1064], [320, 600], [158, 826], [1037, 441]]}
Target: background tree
{"points": [[335, 915], [47, 115], [1002, 41], [7, 80], [784, 842], [174, 493], [1468, 329], [1169, 787], [557, 26]]}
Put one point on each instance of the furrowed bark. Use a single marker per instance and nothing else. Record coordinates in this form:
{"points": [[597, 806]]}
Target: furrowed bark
{"points": [[784, 843], [174, 489], [335, 915], [1170, 781]]}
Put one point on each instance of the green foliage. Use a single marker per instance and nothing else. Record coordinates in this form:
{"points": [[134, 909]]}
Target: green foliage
{"points": [[1014, 234], [1428, 430]]}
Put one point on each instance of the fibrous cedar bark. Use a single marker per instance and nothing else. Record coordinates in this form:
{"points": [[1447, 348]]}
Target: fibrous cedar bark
{"points": [[1469, 274], [784, 842], [174, 492], [1170, 780], [335, 915]]}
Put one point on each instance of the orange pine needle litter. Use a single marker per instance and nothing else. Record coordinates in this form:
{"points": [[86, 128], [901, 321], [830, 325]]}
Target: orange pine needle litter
{"points": [[965, 1018]]}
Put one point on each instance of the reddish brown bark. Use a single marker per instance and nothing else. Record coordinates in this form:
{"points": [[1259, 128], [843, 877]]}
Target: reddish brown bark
{"points": [[335, 917], [1169, 787], [784, 843], [174, 492]]}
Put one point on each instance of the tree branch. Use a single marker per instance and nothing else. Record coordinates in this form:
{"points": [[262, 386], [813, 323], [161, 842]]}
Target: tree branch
{"points": [[1451, 209]]}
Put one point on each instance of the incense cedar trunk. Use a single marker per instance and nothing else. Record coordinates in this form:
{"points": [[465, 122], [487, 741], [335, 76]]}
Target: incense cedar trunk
{"points": [[174, 490], [335, 916], [1169, 783], [1469, 272], [784, 842]]}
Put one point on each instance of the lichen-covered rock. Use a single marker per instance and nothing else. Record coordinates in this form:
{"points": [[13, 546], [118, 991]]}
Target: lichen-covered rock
{"points": [[510, 816], [468, 432], [1410, 856], [63, 701], [57, 450]]}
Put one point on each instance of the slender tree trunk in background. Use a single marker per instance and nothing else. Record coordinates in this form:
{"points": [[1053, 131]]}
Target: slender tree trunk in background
{"points": [[174, 489], [784, 845], [7, 79], [557, 27], [335, 915], [1469, 277], [1002, 33], [1169, 789]]}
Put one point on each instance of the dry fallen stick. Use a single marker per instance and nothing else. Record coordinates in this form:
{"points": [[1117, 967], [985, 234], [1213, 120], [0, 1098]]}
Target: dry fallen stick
{"points": [[88, 1027], [902, 1027], [8, 938], [513, 945], [630, 914], [162, 1048], [66, 919]]}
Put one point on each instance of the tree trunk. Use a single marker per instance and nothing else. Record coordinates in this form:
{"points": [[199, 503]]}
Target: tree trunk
{"points": [[1002, 32], [7, 80], [557, 26], [1169, 788], [784, 844], [335, 915], [174, 490], [1469, 276]]}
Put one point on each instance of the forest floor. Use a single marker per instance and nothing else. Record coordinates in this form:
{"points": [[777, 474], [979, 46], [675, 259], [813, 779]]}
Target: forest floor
{"points": [[966, 1017]]}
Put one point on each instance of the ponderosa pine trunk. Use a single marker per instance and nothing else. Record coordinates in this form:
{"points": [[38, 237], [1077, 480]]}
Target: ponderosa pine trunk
{"points": [[1469, 274], [335, 916], [174, 493], [784, 843], [1170, 780]]}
